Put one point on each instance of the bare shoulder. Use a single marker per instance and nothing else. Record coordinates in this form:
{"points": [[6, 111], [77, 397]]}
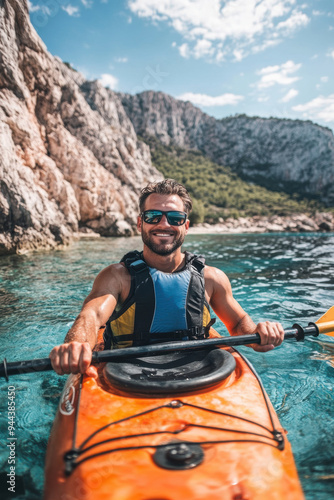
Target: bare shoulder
{"points": [[215, 275], [113, 280], [215, 279]]}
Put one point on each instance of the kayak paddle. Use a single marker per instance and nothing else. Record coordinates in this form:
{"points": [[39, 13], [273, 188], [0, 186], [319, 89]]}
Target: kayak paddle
{"points": [[324, 325], [326, 322]]}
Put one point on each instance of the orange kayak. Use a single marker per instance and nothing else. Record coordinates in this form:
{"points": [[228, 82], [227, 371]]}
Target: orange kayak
{"points": [[170, 427]]}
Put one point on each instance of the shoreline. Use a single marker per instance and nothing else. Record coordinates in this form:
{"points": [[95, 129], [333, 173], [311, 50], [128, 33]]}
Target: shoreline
{"points": [[298, 223]]}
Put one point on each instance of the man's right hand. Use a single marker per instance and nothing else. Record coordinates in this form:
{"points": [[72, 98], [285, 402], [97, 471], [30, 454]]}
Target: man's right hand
{"points": [[74, 357]]}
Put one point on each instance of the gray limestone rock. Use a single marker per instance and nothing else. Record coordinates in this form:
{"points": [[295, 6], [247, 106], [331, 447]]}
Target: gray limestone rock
{"points": [[69, 154], [292, 155]]}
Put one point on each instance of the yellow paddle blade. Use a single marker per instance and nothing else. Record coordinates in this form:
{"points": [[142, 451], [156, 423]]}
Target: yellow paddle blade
{"points": [[326, 322]]}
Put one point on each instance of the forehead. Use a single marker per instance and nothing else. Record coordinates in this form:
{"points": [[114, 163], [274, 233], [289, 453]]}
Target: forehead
{"points": [[163, 202]]}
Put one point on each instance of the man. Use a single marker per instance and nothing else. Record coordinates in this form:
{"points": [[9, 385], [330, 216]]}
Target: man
{"points": [[170, 291]]}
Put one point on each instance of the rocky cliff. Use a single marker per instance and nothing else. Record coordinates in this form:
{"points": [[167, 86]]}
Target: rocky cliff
{"points": [[69, 155], [291, 155], [70, 159]]}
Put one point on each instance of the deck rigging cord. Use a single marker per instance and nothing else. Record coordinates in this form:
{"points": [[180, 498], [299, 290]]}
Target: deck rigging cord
{"points": [[75, 456]]}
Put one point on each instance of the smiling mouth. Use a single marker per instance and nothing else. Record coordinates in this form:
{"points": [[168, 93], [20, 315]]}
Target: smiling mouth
{"points": [[162, 235]]}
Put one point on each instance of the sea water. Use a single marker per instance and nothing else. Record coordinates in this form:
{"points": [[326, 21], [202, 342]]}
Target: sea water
{"points": [[285, 277]]}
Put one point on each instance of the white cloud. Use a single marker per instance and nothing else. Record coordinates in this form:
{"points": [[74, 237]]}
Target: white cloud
{"points": [[320, 108], [108, 80], [232, 27], [36, 8], [32, 7], [202, 48], [121, 59], [238, 55], [295, 21], [331, 54], [281, 75], [322, 13], [323, 79], [263, 46], [184, 50], [290, 95], [87, 3], [71, 10], [207, 100]]}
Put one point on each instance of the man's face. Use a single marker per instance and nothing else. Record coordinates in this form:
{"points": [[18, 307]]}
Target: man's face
{"points": [[162, 238]]}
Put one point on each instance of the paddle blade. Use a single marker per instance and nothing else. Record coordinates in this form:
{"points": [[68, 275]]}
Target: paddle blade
{"points": [[326, 322]]}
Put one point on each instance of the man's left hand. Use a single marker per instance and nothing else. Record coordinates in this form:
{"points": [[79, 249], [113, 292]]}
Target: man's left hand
{"points": [[272, 335]]}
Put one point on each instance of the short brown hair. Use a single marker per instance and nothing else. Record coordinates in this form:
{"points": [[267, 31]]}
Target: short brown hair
{"points": [[167, 186]]}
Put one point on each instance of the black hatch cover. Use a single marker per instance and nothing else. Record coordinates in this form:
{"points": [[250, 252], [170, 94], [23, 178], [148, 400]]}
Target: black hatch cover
{"points": [[171, 373]]}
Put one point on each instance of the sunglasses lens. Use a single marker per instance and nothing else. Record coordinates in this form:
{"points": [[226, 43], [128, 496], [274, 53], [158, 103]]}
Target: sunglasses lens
{"points": [[152, 216], [176, 218], [173, 218]]}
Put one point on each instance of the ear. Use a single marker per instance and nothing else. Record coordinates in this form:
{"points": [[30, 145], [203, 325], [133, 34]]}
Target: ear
{"points": [[187, 224], [139, 223]]}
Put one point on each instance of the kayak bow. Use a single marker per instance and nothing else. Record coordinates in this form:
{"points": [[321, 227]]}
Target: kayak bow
{"points": [[167, 427]]}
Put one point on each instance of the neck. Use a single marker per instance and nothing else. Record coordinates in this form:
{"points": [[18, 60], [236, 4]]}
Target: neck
{"points": [[164, 263]]}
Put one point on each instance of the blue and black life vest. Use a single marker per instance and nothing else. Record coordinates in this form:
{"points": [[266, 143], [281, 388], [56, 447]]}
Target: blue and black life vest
{"points": [[160, 306]]}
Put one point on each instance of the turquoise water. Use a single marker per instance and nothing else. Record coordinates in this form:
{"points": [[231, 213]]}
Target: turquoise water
{"points": [[276, 277]]}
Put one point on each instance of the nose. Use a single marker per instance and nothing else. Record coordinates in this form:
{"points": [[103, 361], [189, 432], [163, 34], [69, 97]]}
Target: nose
{"points": [[164, 221]]}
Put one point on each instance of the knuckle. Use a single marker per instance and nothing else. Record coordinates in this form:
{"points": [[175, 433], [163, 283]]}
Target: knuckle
{"points": [[53, 355], [74, 347], [63, 349], [86, 348]]}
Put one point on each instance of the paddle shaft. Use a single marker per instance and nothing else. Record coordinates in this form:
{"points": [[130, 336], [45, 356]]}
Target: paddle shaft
{"points": [[44, 364]]}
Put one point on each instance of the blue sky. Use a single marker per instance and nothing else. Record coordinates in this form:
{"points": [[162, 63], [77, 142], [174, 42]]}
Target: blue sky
{"points": [[259, 57]]}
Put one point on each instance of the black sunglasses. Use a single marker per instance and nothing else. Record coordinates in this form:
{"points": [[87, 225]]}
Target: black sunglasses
{"points": [[174, 218]]}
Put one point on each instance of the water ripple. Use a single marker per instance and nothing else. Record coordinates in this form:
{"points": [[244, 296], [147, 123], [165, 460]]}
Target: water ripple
{"points": [[277, 277]]}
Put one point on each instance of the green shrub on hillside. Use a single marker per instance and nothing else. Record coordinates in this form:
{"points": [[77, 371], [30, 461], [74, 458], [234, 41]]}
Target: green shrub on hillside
{"points": [[218, 191], [198, 212]]}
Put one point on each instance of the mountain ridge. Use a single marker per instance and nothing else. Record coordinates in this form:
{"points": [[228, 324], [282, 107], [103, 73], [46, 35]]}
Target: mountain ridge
{"points": [[295, 155], [71, 159]]}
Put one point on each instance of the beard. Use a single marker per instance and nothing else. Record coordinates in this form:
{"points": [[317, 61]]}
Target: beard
{"points": [[162, 248]]}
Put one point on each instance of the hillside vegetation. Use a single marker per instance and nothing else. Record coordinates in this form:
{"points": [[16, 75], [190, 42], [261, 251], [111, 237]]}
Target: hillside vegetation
{"points": [[218, 192]]}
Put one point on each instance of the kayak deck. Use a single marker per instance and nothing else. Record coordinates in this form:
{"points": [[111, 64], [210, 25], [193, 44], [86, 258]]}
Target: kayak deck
{"points": [[141, 447]]}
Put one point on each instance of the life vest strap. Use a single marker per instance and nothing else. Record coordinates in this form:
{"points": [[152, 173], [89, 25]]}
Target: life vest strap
{"points": [[143, 296], [193, 333]]}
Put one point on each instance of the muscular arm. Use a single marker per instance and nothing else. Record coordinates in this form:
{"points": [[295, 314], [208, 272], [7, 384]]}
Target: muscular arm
{"points": [[75, 354], [96, 310], [236, 320]]}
